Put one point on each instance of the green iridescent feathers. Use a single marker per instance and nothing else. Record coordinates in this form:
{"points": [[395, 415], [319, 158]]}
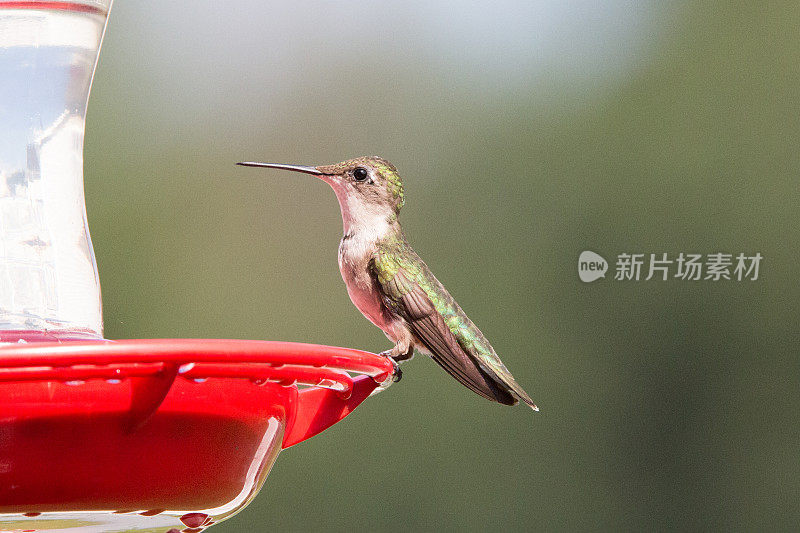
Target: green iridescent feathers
{"points": [[408, 288]]}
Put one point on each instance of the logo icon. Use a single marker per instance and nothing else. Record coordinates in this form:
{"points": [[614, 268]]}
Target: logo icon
{"points": [[591, 266]]}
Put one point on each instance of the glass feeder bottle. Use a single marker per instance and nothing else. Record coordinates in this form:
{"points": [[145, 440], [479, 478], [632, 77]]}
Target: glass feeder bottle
{"points": [[48, 274]]}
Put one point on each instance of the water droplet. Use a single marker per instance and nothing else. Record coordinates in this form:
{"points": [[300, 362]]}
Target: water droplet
{"points": [[195, 519], [328, 384], [151, 512], [200, 380]]}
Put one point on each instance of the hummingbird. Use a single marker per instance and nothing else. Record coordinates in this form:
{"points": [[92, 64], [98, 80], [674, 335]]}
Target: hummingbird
{"points": [[394, 288]]}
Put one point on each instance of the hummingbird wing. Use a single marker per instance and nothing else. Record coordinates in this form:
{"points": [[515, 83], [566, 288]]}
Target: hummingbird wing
{"points": [[410, 290]]}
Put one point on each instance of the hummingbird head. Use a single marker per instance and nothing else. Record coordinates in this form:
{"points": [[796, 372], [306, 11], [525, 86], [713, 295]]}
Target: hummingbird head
{"points": [[369, 189]]}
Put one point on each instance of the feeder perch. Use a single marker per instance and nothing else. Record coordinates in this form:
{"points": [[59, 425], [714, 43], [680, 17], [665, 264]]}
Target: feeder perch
{"points": [[120, 435]]}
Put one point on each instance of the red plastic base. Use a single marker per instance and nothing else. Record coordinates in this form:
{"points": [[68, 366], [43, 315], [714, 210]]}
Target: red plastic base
{"points": [[147, 426]]}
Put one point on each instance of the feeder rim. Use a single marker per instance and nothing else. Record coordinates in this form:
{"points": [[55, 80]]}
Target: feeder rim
{"points": [[284, 362]]}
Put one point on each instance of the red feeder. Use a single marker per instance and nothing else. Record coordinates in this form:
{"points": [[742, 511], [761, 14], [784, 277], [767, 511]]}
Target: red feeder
{"points": [[99, 435], [159, 433]]}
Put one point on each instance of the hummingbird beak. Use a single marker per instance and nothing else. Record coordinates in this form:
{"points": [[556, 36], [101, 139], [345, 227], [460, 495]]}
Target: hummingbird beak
{"points": [[294, 168]]}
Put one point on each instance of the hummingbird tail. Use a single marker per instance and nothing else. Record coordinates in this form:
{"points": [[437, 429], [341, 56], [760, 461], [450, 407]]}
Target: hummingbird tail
{"points": [[522, 395], [512, 387], [484, 381]]}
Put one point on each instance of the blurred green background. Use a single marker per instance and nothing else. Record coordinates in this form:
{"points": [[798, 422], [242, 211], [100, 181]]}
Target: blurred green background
{"points": [[526, 133]]}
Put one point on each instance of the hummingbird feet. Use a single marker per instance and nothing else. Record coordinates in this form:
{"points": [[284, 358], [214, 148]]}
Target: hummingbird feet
{"points": [[402, 351], [397, 374]]}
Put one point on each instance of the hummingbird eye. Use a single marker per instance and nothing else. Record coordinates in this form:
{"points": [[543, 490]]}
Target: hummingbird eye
{"points": [[360, 174]]}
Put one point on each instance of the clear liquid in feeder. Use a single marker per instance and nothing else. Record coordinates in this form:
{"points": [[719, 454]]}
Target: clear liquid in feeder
{"points": [[48, 274]]}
